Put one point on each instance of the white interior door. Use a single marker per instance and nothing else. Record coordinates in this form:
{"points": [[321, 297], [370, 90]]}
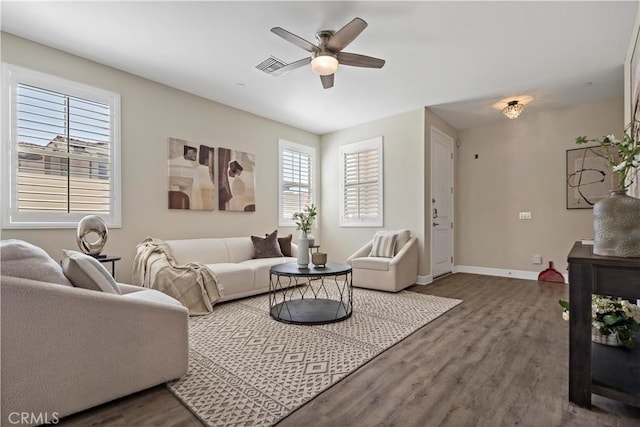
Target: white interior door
{"points": [[441, 203]]}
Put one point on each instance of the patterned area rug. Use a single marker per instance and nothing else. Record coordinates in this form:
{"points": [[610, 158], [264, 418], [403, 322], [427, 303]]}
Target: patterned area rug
{"points": [[248, 369]]}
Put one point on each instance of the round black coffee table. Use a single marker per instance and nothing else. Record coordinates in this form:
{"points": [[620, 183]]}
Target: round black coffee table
{"points": [[310, 296]]}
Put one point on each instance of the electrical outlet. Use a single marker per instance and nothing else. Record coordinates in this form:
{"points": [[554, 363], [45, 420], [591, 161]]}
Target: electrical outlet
{"points": [[525, 215], [536, 259]]}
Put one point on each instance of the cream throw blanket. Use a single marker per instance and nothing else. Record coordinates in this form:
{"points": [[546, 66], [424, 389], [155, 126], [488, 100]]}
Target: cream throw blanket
{"points": [[193, 284]]}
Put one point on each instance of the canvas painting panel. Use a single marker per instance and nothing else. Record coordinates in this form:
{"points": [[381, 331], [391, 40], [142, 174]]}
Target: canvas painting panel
{"points": [[634, 190], [236, 181], [589, 178], [191, 176]]}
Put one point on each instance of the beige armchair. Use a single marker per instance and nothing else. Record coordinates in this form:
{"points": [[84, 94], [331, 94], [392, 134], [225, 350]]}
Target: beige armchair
{"points": [[387, 274]]}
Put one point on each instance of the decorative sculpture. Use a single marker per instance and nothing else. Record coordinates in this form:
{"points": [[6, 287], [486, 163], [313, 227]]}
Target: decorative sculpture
{"points": [[88, 225]]}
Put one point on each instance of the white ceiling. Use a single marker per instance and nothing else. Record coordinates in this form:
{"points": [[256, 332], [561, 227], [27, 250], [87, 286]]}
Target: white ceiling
{"points": [[459, 58]]}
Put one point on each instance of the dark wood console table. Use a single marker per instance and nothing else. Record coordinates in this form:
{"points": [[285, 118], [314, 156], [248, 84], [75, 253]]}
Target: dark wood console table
{"points": [[613, 372]]}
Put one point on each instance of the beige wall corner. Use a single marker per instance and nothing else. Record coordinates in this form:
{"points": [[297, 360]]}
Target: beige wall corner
{"points": [[403, 136], [521, 166]]}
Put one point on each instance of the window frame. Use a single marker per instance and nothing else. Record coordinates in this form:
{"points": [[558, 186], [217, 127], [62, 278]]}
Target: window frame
{"points": [[284, 144], [355, 147], [13, 75]]}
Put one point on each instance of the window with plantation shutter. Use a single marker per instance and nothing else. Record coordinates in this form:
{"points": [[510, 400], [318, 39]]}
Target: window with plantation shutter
{"points": [[361, 184], [61, 160], [297, 183]]}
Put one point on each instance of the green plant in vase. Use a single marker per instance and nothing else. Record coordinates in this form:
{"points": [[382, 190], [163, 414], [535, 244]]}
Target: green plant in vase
{"points": [[304, 220], [623, 155]]}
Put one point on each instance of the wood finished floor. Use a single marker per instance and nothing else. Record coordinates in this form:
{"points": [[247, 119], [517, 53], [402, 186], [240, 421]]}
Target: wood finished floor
{"points": [[498, 359]]}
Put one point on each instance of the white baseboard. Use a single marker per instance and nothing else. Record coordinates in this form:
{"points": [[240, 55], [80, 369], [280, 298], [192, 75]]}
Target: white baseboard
{"points": [[424, 280], [486, 271], [500, 272]]}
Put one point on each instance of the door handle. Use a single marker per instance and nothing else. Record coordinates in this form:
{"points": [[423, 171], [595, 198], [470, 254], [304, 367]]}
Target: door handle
{"points": [[435, 224]]}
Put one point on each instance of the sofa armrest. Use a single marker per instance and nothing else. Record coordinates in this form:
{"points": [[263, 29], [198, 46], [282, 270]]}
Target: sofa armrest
{"points": [[67, 349], [362, 252], [127, 289], [404, 266]]}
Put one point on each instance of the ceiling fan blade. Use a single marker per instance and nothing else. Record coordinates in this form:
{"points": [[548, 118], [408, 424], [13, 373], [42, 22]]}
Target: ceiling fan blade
{"points": [[297, 40], [356, 60], [297, 64], [346, 34], [327, 81]]}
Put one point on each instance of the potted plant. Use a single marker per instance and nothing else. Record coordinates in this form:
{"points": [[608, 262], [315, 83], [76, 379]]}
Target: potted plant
{"points": [[614, 321], [623, 155], [304, 222], [616, 219]]}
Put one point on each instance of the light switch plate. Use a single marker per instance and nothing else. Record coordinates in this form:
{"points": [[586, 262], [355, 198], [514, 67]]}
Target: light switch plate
{"points": [[525, 215]]}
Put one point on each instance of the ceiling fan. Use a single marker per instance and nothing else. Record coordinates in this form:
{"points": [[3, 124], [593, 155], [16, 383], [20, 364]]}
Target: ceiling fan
{"points": [[327, 54]]}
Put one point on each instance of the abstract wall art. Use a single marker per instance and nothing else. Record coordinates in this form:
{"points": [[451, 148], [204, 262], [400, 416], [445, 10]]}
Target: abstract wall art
{"points": [[236, 181], [634, 97], [589, 177], [191, 176]]}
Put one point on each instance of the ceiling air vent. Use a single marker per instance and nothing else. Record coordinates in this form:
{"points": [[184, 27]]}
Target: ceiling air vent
{"points": [[270, 64]]}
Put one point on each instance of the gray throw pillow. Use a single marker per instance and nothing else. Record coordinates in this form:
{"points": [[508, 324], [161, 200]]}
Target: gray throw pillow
{"points": [[86, 272], [24, 260], [285, 245], [266, 247]]}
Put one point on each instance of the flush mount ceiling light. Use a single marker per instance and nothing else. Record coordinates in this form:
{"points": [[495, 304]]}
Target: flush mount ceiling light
{"points": [[513, 109], [324, 65]]}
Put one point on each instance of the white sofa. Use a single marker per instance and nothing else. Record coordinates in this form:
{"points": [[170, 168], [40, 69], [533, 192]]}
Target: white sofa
{"points": [[66, 349], [230, 259]]}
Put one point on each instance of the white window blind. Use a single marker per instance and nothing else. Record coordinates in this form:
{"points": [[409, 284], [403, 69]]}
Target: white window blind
{"points": [[296, 179], [64, 152], [361, 182]]}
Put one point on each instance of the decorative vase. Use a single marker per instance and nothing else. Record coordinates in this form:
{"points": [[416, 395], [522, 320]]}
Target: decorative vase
{"points": [[303, 252], [319, 259], [611, 339], [616, 225]]}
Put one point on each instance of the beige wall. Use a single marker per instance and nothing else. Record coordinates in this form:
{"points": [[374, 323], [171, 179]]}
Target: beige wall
{"points": [[522, 167], [403, 137], [151, 113]]}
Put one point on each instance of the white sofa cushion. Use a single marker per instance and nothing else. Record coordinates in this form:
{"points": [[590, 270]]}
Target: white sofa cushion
{"points": [[22, 259], [239, 248], [261, 267], [86, 272], [205, 251], [371, 263], [236, 276], [152, 295]]}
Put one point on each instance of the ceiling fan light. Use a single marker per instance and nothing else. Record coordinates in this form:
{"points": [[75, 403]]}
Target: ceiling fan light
{"points": [[513, 109], [324, 65]]}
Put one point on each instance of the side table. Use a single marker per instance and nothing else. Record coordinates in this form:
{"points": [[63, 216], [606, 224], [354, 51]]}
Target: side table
{"points": [[109, 258]]}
